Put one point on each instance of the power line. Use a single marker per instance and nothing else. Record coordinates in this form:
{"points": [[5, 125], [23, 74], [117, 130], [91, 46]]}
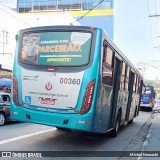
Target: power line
{"points": [[156, 21], [155, 15], [88, 11], [157, 47], [153, 66], [152, 63], [150, 23]]}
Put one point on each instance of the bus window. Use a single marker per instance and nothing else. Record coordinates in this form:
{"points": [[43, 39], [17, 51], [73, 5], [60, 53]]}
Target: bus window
{"points": [[109, 56], [127, 79], [137, 85], [107, 76], [122, 81], [134, 85]]}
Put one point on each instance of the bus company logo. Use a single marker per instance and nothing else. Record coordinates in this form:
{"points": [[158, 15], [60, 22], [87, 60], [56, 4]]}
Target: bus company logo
{"points": [[48, 86], [48, 101]]}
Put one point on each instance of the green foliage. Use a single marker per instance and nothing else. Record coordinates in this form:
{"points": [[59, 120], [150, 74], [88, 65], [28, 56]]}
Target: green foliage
{"points": [[154, 83]]}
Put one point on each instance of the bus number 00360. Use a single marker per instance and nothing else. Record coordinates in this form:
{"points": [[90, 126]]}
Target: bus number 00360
{"points": [[70, 81]]}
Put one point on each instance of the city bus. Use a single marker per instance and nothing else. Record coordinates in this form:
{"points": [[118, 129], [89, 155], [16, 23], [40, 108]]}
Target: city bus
{"points": [[73, 77], [148, 98]]}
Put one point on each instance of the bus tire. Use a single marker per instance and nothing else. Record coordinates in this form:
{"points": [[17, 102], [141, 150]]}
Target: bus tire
{"points": [[2, 119], [115, 130]]}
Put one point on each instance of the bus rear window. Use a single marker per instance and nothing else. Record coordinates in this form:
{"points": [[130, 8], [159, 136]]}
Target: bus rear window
{"points": [[148, 91], [56, 48]]}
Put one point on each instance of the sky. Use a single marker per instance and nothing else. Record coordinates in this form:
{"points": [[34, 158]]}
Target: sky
{"points": [[135, 33]]}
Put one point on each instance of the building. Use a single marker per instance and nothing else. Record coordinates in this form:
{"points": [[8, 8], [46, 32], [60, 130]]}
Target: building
{"points": [[96, 13], [10, 23], [14, 22]]}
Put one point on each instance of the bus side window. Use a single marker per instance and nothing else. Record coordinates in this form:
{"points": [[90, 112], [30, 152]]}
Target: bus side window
{"points": [[137, 85], [134, 85], [142, 88], [122, 80], [107, 75], [127, 78]]}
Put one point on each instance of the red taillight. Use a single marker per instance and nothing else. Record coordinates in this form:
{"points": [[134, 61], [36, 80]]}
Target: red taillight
{"points": [[87, 100], [15, 91], [150, 100], [51, 69]]}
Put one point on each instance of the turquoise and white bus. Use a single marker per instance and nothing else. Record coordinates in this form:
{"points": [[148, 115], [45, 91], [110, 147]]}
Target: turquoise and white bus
{"points": [[73, 77]]}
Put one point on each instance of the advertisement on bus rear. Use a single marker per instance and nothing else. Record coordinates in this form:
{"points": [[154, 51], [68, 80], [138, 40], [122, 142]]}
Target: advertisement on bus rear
{"points": [[56, 48]]}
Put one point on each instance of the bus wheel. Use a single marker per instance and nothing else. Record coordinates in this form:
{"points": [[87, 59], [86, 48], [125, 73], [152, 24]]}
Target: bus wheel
{"points": [[114, 132], [2, 119]]}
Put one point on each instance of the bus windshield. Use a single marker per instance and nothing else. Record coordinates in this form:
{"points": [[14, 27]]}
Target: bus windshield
{"points": [[56, 48], [148, 91]]}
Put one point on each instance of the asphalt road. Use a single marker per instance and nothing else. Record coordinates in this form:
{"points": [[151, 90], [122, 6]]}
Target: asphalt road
{"points": [[24, 137]]}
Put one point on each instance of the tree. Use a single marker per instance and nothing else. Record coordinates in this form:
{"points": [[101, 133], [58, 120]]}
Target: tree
{"points": [[154, 83]]}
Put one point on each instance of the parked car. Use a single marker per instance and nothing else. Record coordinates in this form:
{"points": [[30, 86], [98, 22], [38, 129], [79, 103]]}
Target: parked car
{"points": [[4, 108]]}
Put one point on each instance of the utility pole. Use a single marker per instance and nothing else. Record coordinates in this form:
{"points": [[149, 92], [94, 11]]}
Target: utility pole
{"points": [[57, 6], [156, 15], [32, 5]]}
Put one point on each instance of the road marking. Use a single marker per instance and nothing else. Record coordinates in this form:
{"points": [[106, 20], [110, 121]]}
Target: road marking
{"points": [[26, 136]]}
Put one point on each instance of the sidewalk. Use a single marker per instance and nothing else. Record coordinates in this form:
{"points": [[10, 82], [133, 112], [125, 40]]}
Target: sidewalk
{"points": [[152, 141]]}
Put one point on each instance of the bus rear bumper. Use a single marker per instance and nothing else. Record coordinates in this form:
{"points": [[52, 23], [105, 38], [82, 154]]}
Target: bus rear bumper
{"points": [[73, 121], [147, 105]]}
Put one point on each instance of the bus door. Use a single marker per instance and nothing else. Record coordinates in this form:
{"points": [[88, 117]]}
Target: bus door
{"points": [[130, 92], [116, 84]]}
